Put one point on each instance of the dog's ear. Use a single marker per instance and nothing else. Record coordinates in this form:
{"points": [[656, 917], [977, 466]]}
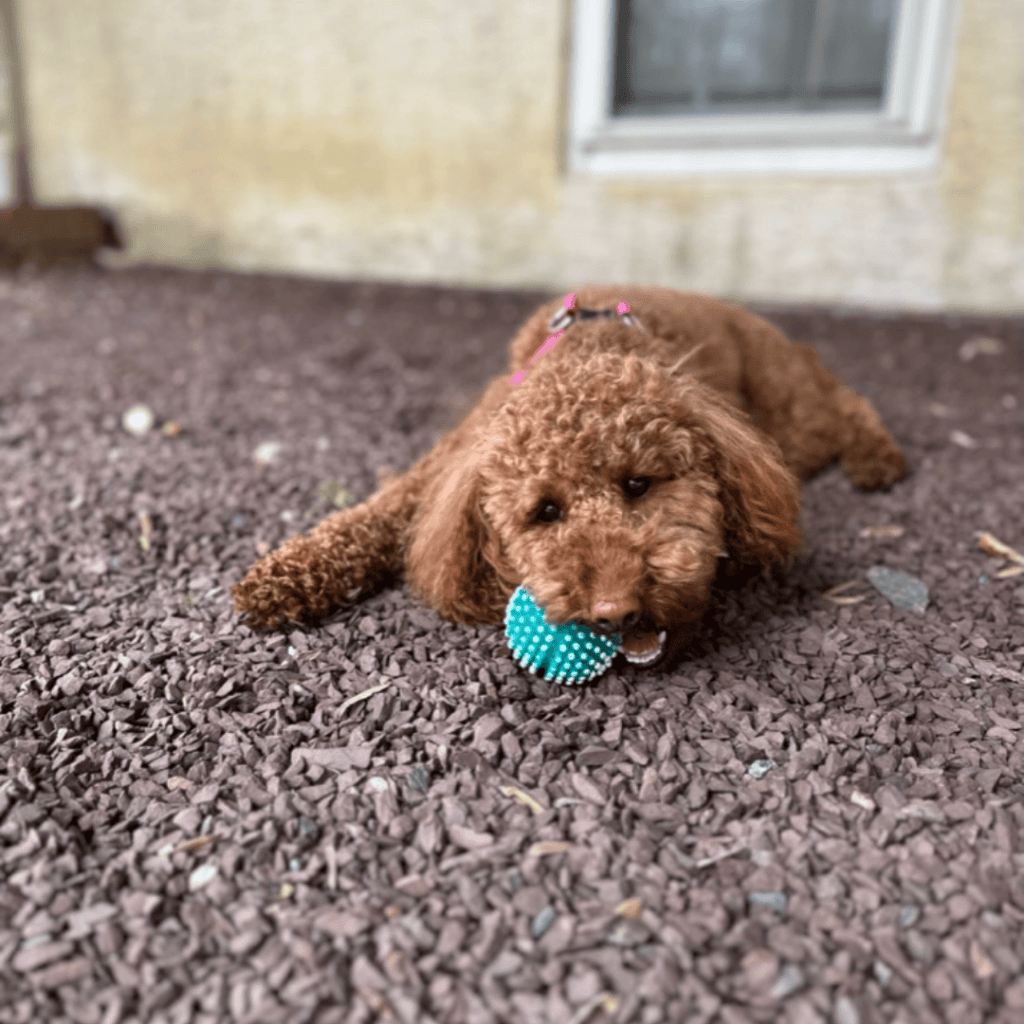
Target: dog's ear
{"points": [[759, 493], [454, 561]]}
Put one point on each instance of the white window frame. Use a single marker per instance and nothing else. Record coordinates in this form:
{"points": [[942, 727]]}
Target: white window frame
{"points": [[904, 136]]}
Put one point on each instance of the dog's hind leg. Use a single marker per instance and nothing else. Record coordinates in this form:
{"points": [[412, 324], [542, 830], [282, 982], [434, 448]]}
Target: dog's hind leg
{"points": [[870, 456]]}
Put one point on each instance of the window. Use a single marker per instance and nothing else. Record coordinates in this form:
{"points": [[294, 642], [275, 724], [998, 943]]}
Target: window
{"points": [[677, 86]]}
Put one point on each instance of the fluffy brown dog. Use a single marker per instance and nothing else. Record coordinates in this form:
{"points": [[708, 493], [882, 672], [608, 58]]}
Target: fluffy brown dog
{"points": [[616, 473]]}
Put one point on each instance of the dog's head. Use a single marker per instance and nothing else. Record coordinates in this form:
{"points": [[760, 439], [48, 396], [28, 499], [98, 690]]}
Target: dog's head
{"points": [[609, 487]]}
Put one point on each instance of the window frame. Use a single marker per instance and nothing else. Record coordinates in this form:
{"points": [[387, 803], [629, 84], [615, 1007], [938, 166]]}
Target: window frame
{"points": [[903, 136]]}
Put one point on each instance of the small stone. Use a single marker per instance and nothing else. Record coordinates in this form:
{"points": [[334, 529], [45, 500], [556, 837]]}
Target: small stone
{"points": [[531, 899], [759, 967], [902, 590], [65, 973], [414, 885], [773, 900], [759, 769], [846, 1011], [35, 954], [983, 966], [629, 934], [789, 980], [1013, 995], [266, 452], [962, 440], [594, 757], [468, 839], [542, 922], [138, 420], [908, 915], [980, 345], [862, 800], [368, 625], [202, 876]]}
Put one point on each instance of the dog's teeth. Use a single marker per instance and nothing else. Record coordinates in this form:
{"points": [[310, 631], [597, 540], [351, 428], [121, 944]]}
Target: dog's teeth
{"points": [[648, 656]]}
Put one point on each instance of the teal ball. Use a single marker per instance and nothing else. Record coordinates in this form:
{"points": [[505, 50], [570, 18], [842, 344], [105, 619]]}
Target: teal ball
{"points": [[566, 653]]}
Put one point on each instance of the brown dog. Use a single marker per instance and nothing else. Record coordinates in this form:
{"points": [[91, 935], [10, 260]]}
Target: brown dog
{"points": [[608, 471]]}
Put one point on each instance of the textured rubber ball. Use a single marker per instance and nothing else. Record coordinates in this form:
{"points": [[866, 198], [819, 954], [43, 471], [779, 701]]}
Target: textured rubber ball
{"points": [[567, 653]]}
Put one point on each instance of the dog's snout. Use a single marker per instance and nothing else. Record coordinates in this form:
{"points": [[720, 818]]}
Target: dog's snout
{"points": [[609, 617], [606, 627]]}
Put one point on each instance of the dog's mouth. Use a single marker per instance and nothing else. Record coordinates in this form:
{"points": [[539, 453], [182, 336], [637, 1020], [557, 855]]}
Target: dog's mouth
{"points": [[643, 647]]}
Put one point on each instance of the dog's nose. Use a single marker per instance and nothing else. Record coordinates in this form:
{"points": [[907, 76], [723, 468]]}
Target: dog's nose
{"points": [[609, 617]]}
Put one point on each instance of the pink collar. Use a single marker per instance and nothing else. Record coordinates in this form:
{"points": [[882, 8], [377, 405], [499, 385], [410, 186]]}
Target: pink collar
{"points": [[564, 319]]}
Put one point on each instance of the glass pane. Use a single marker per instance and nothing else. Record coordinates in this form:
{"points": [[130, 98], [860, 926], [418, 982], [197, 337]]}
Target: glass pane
{"points": [[732, 56], [856, 53]]}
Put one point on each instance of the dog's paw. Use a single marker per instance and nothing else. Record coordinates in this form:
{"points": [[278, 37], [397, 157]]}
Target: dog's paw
{"points": [[877, 471], [275, 592], [267, 603]]}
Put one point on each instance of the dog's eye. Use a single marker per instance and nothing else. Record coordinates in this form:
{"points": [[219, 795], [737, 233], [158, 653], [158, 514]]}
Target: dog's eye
{"points": [[636, 486], [548, 512]]}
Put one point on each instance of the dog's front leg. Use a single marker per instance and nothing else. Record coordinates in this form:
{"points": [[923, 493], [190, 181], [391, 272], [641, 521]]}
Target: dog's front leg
{"points": [[351, 550]]}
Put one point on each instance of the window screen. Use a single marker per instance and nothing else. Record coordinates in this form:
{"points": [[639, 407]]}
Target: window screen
{"points": [[750, 56]]}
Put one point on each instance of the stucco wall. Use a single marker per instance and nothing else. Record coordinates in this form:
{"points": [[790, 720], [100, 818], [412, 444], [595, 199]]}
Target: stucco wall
{"points": [[422, 140]]}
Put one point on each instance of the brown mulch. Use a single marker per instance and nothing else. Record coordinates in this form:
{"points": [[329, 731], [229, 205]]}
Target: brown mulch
{"points": [[818, 817]]}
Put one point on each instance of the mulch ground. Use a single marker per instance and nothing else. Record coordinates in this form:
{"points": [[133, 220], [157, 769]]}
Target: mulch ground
{"points": [[817, 817]]}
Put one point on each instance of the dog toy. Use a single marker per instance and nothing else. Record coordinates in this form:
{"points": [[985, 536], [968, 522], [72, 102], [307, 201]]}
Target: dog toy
{"points": [[568, 653]]}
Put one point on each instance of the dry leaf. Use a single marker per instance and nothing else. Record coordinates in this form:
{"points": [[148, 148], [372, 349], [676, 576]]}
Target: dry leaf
{"points": [[979, 345], [523, 797], [147, 530], [193, 844], [631, 908], [346, 704], [833, 594], [1013, 570], [881, 531], [603, 1000], [991, 546]]}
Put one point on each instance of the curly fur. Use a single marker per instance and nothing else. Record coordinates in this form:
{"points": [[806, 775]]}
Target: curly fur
{"points": [[718, 410]]}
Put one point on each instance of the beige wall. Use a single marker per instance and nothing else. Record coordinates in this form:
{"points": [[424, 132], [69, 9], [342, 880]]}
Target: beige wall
{"points": [[422, 140]]}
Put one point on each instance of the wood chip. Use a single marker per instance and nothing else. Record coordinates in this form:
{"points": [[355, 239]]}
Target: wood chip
{"points": [[550, 846]]}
